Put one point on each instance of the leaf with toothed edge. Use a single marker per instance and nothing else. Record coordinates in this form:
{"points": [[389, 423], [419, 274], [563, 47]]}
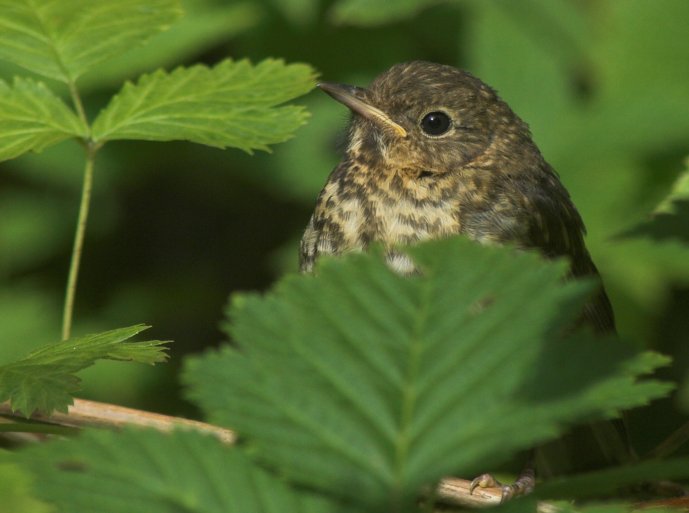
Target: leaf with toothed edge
{"points": [[233, 104], [44, 380], [361, 382]]}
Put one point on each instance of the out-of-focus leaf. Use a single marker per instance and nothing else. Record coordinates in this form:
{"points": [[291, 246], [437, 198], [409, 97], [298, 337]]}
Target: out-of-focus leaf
{"points": [[63, 39], [301, 166], [602, 481], [362, 382], [44, 380], [298, 12], [376, 12], [30, 318], [198, 31], [533, 48], [145, 470], [31, 229], [530, 504], [642, 84], [232, 104], [32, 118], [670, 219], [15, 490]]}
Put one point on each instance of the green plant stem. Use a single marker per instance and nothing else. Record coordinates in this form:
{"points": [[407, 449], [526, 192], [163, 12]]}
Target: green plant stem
{"points": [[78, 105], [77, 248]]}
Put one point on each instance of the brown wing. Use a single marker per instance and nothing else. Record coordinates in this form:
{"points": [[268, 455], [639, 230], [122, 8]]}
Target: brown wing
{"points": [[556, 228], [533, 210]]}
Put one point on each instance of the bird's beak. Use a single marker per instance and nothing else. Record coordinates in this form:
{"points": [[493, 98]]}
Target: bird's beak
{"points": [[347, 95]]}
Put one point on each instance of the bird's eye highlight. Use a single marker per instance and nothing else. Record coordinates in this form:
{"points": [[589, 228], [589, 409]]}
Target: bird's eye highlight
{"points": [[436, 123]]}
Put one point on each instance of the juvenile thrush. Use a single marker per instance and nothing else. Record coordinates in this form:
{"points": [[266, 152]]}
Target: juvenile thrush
{"points": [[432, 151]]}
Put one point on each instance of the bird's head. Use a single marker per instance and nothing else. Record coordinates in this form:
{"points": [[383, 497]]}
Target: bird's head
{"points": [[426, 118]]}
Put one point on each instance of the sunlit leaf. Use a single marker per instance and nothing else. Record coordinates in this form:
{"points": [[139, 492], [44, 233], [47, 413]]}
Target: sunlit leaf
{"points": [[32, 118], [62, 39], [232, 104]]}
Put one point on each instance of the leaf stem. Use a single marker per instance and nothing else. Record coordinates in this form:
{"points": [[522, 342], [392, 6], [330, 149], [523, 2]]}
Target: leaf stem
{"points": [[78, 105], [77, 248]]}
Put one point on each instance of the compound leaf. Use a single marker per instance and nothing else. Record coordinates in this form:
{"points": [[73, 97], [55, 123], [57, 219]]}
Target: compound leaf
{"points": [[143, 470], [362, 382], [32, 118], [232, 104], [62, 39], [44, 380]]}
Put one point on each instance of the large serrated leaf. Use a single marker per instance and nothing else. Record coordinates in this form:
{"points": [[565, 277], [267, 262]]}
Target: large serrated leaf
{"points": [[152, 472], [32, 118], [63, 39], [44, 380], [366, 383], [232, 104]]}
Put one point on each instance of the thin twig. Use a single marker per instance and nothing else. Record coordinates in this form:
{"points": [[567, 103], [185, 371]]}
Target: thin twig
{"points": [[455, 491], [85, 413]]}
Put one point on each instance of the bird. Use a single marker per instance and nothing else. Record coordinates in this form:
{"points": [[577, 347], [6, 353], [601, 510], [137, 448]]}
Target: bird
{"points": [[431, 152]]}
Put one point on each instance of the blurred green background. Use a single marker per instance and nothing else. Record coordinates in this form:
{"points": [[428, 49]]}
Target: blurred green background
{"points": [[176, 227]]}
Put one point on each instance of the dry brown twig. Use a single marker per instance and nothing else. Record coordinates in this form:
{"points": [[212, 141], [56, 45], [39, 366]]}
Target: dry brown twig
{"points": [[85, 413]]}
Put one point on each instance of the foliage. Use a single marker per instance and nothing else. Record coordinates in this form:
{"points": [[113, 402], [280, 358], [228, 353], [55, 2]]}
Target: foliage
{"points": [[603, 86], [138, 470], [15, 489], [63, 40], [44, 380], [336, 384], [34, 118], [231, 104], [370, 384], [670, 219]]}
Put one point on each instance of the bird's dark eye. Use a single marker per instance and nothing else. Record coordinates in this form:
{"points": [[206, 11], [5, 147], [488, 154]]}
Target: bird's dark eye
{"points": [[436, 123]]}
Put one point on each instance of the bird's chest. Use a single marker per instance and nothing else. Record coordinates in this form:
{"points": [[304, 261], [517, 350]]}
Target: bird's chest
{"points": [[394, 214], [408, 220]]}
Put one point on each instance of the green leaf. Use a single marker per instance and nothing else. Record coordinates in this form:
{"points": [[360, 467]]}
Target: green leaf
{"points": [[203, 28], [143, 470], [601, 482], [376, 12], [298, 12], [232, 104], [33, 118], [44, 380], [530, 504], [363, 382], [670, 220], [63, 39], [15, 484]]}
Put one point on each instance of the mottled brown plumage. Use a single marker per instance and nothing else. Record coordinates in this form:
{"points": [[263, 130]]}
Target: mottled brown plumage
{"points": [[403, 179]]}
